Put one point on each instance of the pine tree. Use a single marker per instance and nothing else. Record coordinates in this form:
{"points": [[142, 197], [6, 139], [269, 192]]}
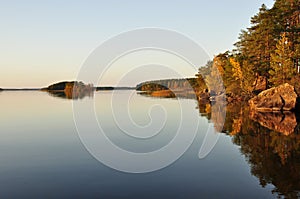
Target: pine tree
{"points": [[282, 69], [243, 72], [237, 70], [287, 17], [258, 42]]}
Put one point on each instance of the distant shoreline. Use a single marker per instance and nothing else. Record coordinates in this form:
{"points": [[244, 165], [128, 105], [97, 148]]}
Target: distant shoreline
{"points": [[20, 89], [96, 89]]}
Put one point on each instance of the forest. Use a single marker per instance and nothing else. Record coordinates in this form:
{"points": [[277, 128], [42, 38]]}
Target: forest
{"points": [[267, 54]]}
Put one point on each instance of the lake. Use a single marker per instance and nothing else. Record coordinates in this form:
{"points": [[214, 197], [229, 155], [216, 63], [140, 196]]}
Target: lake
{"points": [[42, 154]]}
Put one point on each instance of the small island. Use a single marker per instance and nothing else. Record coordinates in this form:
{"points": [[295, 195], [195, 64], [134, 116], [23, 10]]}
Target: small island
{"points": [[169, 88], [70, 89]]}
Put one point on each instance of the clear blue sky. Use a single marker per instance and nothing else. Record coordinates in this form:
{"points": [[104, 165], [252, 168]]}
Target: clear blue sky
{"points": [[42, 42]]}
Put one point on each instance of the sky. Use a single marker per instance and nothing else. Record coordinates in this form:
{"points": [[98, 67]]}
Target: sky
{"points": [[42, 42]]}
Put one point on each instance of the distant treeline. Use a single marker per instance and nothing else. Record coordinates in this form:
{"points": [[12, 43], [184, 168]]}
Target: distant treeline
{"points": [[106, 88], [103, 88], [167, 84]]}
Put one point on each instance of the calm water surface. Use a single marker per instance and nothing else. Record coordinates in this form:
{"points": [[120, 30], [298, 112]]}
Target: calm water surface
{"points": [[41, 154]]}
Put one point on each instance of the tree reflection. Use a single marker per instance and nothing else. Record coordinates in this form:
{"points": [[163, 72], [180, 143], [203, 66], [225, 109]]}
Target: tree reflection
{"points": [[270, 143], [69, 94]]}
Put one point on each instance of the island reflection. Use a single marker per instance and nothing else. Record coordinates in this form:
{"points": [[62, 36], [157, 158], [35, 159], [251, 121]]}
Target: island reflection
{"points": [[71, 95], [70, 90]]}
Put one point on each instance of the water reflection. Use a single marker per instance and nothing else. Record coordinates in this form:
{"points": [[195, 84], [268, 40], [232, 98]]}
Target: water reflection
{"points": [[183, 94], [270, 143], [273, 158], [70, 94], [283, 122]]}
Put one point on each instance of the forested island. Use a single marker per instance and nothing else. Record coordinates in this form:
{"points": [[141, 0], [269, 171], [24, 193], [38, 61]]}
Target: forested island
{"points": [[70, 90], [169, 88], [266, 55]]}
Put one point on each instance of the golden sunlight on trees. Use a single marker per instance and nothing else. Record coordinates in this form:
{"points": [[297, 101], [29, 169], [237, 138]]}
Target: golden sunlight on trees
{"points": [[271, 45], [213, 78], [237, 71], [282, 69]]}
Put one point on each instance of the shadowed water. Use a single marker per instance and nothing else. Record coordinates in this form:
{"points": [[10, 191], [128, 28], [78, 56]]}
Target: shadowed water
{"points": [[42, 156]]}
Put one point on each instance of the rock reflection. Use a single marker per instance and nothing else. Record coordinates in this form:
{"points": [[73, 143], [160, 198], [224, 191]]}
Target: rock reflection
{"points": [[270, 143], [283, 122]]}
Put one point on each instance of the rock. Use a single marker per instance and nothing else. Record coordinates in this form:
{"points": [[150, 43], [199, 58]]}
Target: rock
{"points": [[281, 98], [204, 96], [213, 93], [260, 84], [281, 122]]}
